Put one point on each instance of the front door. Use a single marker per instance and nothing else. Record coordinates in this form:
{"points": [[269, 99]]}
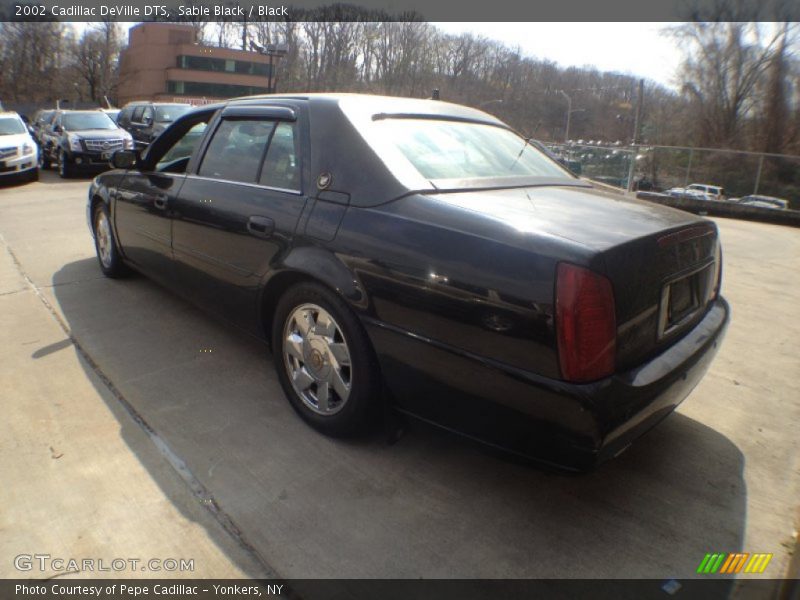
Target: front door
{"points": [[144, 201]]}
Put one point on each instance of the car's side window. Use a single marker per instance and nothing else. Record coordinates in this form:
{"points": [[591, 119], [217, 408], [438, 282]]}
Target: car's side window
{"points": [[137, 114], [236, 150], [281, 167], [177, 157], [147, 114]]}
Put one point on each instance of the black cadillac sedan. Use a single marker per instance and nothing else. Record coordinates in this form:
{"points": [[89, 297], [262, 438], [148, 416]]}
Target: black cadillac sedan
{"points": [[422, 254]]}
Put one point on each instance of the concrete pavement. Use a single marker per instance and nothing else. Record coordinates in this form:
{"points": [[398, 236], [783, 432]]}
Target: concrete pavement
{"points": [[722, 474]]}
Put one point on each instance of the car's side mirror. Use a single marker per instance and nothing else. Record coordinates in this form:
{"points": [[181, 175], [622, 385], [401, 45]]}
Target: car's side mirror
{"points": [[147, 121], [124, 159], [57, 129]]}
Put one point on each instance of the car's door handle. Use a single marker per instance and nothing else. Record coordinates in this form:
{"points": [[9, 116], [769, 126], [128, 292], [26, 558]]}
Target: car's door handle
{"points": [[160, 201], [127, 196], [261, 226]]}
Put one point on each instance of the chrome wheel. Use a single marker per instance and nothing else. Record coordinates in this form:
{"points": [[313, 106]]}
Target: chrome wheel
{"points": [[102, 232], [317, 359]]}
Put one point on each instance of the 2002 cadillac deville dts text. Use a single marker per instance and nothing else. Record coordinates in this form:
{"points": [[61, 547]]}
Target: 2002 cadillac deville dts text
{"points": [[422, 253]]}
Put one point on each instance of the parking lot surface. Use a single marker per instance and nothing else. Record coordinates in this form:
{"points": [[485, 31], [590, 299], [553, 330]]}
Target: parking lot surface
{"points": [[177, 440]]}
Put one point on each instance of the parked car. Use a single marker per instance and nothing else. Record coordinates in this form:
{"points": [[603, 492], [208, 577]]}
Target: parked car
{"points": [[81, 141], [41, 119], [696, 194], [764, 202], [146, 120], [422, 254], [715, 192], [18, 150]]}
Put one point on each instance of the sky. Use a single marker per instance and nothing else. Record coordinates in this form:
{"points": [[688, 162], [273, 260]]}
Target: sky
{"points": [[637, 49]]}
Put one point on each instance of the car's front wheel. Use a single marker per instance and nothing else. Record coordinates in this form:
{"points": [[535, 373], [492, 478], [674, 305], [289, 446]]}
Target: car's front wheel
{"points": [[324, 359], [106, 245], [64, 167], [44, 160]]}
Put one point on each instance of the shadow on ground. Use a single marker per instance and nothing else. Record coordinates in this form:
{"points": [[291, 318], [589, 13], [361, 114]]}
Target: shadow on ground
{"points": [[431, 505]]}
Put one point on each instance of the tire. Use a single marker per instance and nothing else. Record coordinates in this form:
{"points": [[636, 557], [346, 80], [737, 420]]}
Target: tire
{"points": [[64, 168], [34, 175], [307, 364], [44, 160], [105, 244]]}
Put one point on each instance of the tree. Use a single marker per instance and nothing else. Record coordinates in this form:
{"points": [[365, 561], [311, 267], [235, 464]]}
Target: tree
{"points": [[724, 65], [95, 56]]}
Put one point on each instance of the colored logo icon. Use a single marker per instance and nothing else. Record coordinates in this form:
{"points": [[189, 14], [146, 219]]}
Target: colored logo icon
{"points": [[737, 562]]}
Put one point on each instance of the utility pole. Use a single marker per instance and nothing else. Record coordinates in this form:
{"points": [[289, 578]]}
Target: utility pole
{"points": [[272, 51], [569, 114], [637, 123]]}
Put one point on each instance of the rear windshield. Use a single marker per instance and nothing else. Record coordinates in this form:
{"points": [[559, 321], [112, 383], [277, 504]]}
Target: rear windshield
{"points": [[168, 113], [11, 126], [81, 121], [460, 150]]}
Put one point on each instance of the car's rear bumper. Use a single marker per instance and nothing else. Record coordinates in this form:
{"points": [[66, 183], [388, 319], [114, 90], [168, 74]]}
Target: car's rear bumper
{"points": [[571, 425]]}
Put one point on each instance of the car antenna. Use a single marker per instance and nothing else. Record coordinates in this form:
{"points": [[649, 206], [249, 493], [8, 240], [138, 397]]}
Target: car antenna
{"points": [[516, 160]]}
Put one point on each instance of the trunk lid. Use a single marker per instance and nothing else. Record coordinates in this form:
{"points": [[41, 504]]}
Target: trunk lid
{"points": [[662, 263]]}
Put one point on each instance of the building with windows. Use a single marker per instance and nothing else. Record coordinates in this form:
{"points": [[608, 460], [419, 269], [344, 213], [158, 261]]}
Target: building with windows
{"points": [[163, 62]]}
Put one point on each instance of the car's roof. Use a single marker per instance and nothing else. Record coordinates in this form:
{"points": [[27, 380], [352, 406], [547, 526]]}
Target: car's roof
{"points": [[91, 111], [376, 105]]}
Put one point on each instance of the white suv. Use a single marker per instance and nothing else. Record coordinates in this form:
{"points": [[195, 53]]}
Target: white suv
{"points": [[19, 154], [715, 191]]}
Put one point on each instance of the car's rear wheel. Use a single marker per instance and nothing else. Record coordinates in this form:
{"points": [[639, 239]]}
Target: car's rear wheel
{"points": [[106, 245], [324, 359]]}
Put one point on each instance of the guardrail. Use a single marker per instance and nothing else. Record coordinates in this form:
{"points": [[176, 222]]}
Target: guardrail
{"points": [[724, 209]]}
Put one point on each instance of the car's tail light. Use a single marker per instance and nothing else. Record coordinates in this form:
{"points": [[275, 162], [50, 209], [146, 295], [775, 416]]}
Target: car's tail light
{"points": [[586, 326]]}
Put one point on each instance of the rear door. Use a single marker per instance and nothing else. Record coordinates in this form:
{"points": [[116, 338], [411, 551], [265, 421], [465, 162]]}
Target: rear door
{"points": [[237, 211], [137, 127]]}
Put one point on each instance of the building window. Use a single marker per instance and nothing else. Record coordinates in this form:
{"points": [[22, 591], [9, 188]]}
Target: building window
{"points": [[207, 63], [214, 90]]}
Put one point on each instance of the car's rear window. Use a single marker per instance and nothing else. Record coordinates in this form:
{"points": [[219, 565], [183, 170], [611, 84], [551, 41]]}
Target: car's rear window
{"points": [[441, 149]]}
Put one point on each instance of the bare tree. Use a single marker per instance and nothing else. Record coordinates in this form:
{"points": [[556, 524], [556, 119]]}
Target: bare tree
{"points": [[724, 65]]}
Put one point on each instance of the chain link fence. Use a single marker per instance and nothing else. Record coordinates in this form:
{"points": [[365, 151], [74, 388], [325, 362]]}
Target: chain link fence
{"points": [[659, 168]]}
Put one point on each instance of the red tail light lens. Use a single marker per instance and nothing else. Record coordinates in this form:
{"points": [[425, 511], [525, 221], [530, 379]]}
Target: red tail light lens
{"points": [[586, 326]]}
